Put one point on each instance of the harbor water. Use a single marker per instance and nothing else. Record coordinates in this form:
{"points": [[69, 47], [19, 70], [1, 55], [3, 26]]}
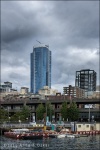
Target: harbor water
{"points": [[91, 142]]}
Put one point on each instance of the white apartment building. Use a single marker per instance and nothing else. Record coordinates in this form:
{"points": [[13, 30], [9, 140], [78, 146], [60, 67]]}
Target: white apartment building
{"points": [[47, 91]]}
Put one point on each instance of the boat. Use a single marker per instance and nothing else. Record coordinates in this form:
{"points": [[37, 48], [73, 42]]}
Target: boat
{"points": [[53, 135], [61, 135], [31, 137], [28, 134], [70, 135], [76, 135], [16, 133], [84, 135]]}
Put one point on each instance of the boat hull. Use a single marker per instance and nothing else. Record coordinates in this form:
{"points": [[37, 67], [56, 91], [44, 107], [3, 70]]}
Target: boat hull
{"points": [[32, 137]]}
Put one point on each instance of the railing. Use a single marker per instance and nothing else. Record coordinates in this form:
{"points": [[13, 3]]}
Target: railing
{"points": [[19, 109], [91, 109], [59, 109], [81, 109], [20, 125]]}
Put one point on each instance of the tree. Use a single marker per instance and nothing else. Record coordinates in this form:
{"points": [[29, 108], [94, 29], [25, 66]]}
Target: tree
{"points": [[22, 114], [3, 115], [40, 110], [25, 113], [73, 112], [49, 109], [64, 110], [16, 116]]}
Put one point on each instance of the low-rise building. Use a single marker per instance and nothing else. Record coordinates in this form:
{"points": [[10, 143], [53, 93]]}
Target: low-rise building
{"points": [[95, 94], [5, 87], [24, 90], [47, 91], [74, 91], [87, 126]]}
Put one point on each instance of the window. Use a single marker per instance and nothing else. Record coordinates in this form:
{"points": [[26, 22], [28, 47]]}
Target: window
{"points": [[87, 126], [79, 126]]}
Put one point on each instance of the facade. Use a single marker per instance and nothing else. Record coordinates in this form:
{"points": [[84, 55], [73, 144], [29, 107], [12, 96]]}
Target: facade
{"points": [[87, 126], [24, 90], [5, 87], [14, 104], [40, 68], [47, 91], [96, 95], [74, 91], [86, 79]]}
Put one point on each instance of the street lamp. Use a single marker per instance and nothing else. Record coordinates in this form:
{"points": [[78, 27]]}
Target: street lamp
{"points": [[9, 119], [45, 115], [89, 112], [19, 121]]}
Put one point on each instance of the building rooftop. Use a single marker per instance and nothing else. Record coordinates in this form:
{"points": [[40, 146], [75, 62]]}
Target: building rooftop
{"points": [[24, 88], [7, 82], [41, 45]]}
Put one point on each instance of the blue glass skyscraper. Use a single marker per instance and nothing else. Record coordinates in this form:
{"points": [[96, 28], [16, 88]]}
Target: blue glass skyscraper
{"points": [[40, 68]]}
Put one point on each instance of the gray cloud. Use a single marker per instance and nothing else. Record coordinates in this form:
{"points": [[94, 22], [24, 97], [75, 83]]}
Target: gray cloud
{"points": [[70, 28]]}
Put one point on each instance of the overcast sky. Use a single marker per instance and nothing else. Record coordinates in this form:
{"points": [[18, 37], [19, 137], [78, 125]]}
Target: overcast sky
{"points": [[71, 28]]}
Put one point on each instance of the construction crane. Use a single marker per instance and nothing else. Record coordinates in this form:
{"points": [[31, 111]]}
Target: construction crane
{"points": [[38, 41], [42, 43]]}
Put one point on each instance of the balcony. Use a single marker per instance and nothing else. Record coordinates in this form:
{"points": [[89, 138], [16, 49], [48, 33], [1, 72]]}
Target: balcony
{"points": [[87, 110], [19, 109], [81, 109]]}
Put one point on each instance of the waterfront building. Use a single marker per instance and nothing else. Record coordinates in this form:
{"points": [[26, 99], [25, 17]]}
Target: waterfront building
{"points": [[86, 79], [15, 104], [40, 70], [47, 91], [74, 91]]}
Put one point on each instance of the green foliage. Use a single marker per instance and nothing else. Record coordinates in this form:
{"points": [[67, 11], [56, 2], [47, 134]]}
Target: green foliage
{"points": [[3, 115], [73, 112], [22, 114], [50, 110], [64, 110], [40, 110], [16, 116], [25, 113]]}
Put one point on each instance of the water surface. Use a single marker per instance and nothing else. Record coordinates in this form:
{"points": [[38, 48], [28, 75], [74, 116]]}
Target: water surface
{"points": [[82, 143]]}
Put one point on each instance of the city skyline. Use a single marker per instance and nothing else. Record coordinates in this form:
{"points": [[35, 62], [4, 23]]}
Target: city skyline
{"points": [[72, 33]]}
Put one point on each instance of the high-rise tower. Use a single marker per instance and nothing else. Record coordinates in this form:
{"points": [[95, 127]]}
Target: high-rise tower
{"points": [[40, 68], [86, 79]]}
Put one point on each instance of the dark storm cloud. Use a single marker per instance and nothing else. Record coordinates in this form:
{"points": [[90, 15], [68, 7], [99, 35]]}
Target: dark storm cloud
{"points": [[80, 22], [67, 63], [74, 21], [70, 28], [17, 24]]}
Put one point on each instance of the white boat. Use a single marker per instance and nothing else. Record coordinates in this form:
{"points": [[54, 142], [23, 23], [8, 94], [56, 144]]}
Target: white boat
{"points": [[61, 135], [77, 135], [70, 135]]}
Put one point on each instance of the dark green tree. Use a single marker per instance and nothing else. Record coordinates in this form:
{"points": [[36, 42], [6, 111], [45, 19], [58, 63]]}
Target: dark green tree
{"points": [[3, 115], [64, 110], [73, 112], [22, 114], [16, 117], [50, 110], [40, 110], [25, 113]]}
